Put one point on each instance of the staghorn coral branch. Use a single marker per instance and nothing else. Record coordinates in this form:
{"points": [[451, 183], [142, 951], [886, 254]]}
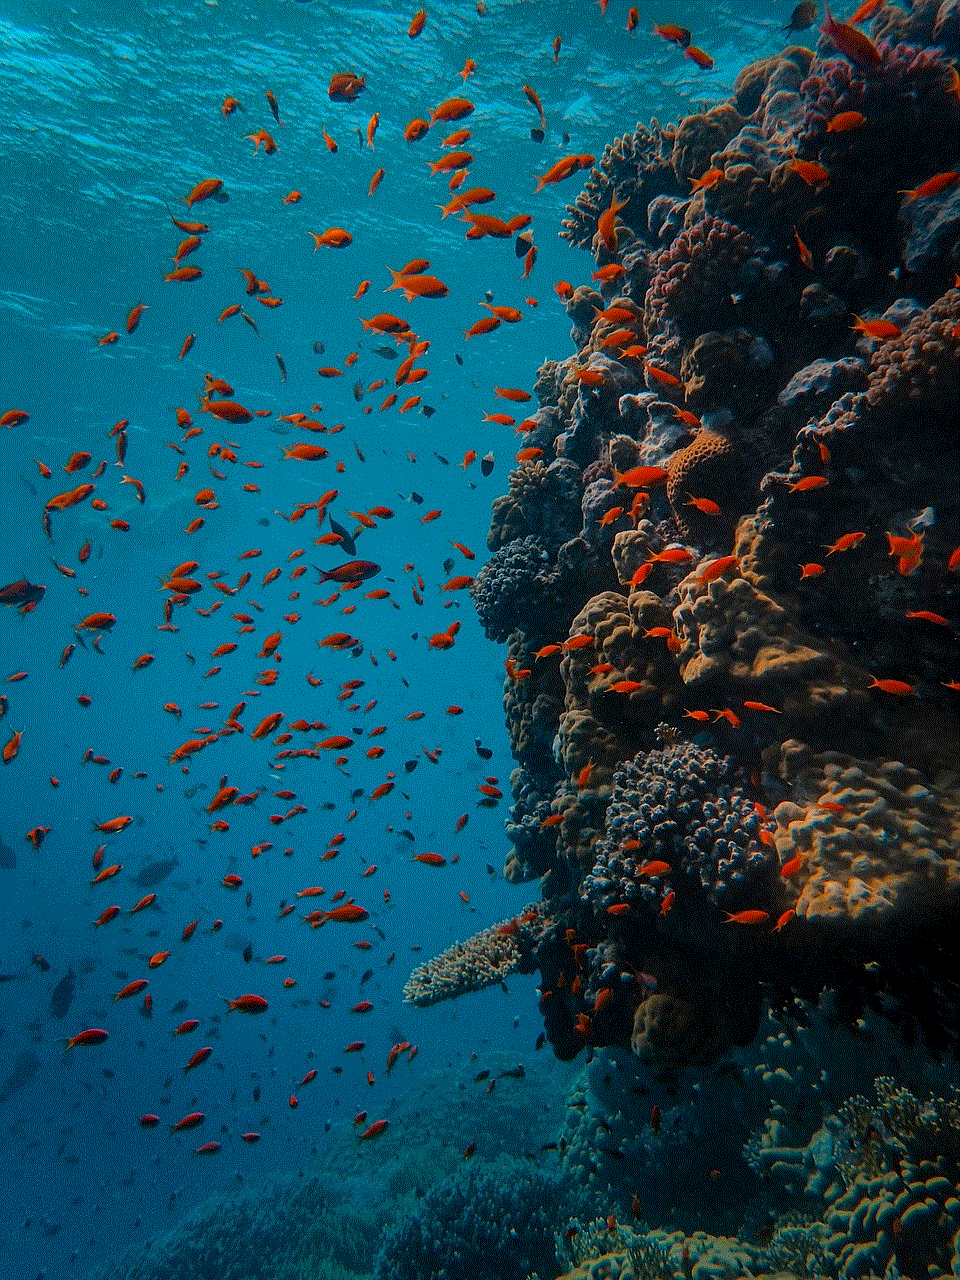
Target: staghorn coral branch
{"points": [[482, 961]]}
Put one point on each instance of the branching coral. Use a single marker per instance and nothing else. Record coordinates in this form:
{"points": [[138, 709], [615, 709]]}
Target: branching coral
{"points": [[482, 961], [492, 1220]]}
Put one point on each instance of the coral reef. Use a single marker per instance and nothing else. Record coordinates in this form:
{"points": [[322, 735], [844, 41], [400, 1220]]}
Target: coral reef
{"points": [[887, 1174], [492, 1220], [876, 844], [731, 585]]}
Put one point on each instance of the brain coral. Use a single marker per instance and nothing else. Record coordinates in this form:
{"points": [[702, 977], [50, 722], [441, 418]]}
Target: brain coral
{"points": [[705, 468], [672, 1032]]}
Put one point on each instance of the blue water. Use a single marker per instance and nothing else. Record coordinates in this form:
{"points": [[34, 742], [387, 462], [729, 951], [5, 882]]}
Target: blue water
{"points": [[112, 111]]}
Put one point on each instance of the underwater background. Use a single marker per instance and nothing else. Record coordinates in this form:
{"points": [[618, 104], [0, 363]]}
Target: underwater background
{"points": [[690, 858]]}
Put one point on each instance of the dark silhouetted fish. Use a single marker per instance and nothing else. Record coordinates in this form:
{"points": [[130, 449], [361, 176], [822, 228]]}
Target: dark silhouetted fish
{"points": [[803, 16], [24, 1069], [8, 859], [388, 353], [346, 541], [62, 997], [352, 571], [153, 872], [21, 593]]}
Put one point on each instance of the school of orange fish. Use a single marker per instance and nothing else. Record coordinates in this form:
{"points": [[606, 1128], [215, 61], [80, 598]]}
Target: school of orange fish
{"points": [[209, 450]]}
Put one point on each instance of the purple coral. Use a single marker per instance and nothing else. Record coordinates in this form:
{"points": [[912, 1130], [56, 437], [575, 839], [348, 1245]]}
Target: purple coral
{"points": [[695, 275]]}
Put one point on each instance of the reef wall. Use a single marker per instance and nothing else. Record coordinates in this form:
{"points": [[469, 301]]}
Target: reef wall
{"points": [[727, 572]]}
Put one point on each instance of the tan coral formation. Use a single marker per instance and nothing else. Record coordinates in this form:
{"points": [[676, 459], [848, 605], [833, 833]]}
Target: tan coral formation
{"points": [[633, 658], [704, 469], [733, 633], [673, 1031], [891, 851]]}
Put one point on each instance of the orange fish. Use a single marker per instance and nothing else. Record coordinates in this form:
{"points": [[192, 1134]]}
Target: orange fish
{"points": [[784, 919], [899, 688], [927, 616], [563, 168], [707, 181], [93, 1035], [933, 186], [640, 477], [804, 254], [248, 1004], [813, 174], [746, 917], [703, 60], [345, 86], [203, 191], [879, 329], [846, 543], [676, 35], [843, 121], [852, 44], [717, 568], [332, 238], [451, 109]]}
